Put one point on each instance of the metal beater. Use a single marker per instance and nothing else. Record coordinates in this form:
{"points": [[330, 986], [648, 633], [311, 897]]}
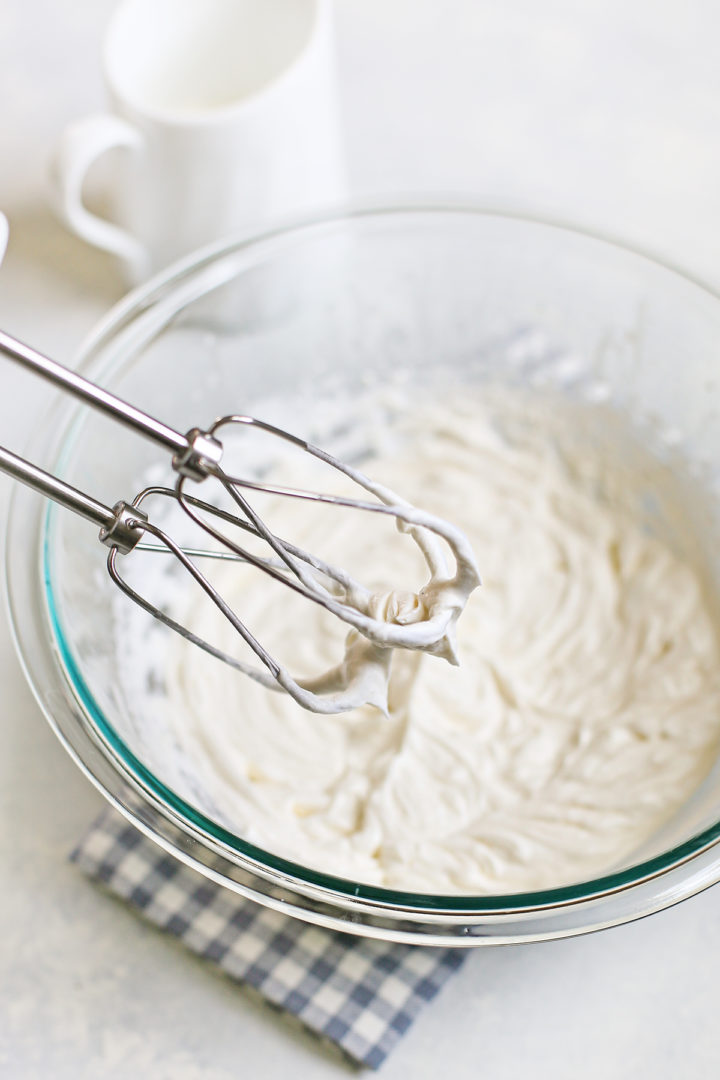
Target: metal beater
{"points": [[125, 527]]}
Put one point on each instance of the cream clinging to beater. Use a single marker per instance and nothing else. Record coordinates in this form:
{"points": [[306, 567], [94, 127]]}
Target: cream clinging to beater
{"points": [[423, 621]]}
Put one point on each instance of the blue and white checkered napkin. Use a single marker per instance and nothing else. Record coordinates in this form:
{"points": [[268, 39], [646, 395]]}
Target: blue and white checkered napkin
{"points": [[363, 995]]}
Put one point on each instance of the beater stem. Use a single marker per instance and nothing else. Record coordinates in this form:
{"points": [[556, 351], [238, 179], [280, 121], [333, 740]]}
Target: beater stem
{"points": [[118, 527], [55, 489], [91, 394]]}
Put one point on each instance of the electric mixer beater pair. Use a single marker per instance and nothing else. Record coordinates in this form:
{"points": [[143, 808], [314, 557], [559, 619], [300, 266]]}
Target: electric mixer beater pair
{"points": [[196, 456]]}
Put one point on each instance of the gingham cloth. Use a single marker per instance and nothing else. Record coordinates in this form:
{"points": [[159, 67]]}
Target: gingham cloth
{"points": [[363, 995]]}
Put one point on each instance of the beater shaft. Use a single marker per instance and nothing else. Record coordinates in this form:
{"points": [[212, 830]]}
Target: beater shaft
{"points": [[196, 454], [57, 490], [425, 623], [118, 526]]}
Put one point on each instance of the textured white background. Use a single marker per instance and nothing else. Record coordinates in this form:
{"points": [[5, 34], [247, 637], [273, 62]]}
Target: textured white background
{"points": [[605, 111]]}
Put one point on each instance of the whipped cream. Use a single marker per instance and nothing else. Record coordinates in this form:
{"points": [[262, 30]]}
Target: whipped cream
{"points": [[586, 705]]}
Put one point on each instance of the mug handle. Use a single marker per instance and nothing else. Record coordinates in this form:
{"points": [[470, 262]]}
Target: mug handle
{"points": [[4, 234], [79, 146]]}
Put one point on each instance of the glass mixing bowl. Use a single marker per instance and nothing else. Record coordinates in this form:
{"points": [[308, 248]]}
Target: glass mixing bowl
{"points": [[386, 295]]}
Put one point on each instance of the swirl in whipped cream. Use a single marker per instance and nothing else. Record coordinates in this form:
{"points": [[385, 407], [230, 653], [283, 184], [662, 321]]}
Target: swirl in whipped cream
{"points": [[586, 706]]}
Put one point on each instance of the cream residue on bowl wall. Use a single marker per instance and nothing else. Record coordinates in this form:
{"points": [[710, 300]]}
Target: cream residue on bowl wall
{"points": [[586, 708]]}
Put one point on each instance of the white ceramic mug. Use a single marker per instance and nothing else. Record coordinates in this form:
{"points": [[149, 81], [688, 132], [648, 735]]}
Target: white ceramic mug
{"points": [[226, 111]]}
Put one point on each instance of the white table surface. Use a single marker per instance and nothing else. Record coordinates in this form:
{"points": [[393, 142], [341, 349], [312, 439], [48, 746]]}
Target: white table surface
{"points": [[605, 111]]}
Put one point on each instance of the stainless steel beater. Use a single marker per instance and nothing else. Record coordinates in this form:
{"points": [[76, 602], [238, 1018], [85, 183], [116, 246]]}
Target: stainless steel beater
{"points": [[196, 456]]}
